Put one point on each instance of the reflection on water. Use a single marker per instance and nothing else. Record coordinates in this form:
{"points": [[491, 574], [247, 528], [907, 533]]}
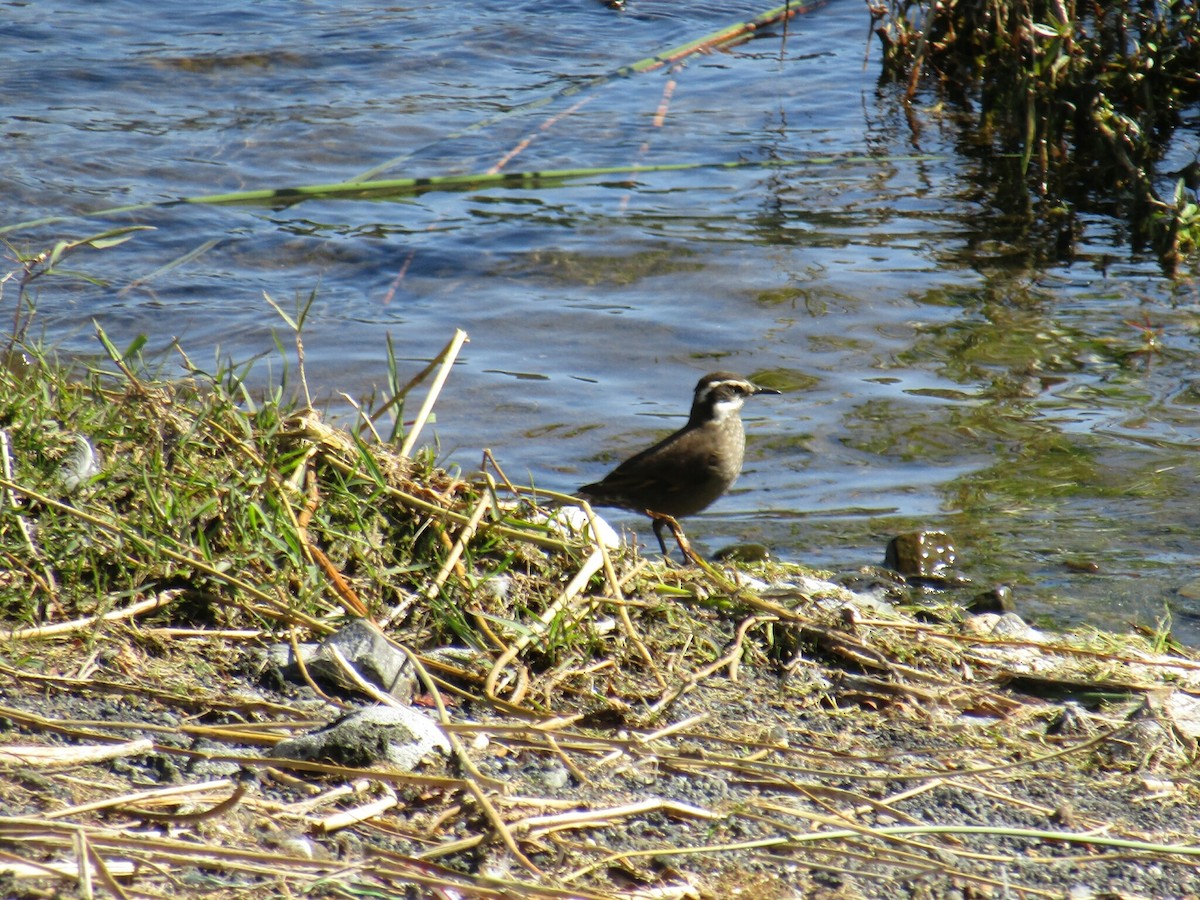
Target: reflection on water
{"points": [[942, 369]]}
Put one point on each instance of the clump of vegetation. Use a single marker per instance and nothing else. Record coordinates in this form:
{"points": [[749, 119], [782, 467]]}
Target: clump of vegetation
{"points": [[241, 505], [1086, 94]]}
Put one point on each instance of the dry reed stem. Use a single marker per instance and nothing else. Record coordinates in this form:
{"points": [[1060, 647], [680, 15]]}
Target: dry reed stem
{"points": [[174, 794], [614, 858], [294, 643], [10, 498], [545, 126], [360, 683], [362, 813], [89, 623], [689, 682], [501, 827], [465, 534], [614, 585], [660, 116], [102, 685], [444, 513], [909, 853], [592, 814], [353, 605], [240, 789], [154, 849], [456, 744], [300, 809], [363, 417], [34, 756], [489, 459], [447, 357], [20, 869], [475, 777], [420, 871], [539, 826]]}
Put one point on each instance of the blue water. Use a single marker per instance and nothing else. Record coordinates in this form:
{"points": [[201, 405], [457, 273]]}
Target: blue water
{"points": [[937, 366]]}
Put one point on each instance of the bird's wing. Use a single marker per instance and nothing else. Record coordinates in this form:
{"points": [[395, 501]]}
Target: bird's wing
{"points": [[687, 461]]}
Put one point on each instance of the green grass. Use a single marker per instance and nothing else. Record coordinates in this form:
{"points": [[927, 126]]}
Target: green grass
{"points": [[242, 507]]}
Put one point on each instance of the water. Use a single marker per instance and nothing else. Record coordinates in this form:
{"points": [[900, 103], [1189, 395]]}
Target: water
{"points": [[942, 368]]}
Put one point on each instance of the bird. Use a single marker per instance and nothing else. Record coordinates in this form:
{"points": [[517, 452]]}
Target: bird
{"points": [[688, 470]]}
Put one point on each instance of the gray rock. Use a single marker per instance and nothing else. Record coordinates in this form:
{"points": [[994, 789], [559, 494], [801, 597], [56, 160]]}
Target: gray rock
{"points": [[364, 648], [401, 736]]}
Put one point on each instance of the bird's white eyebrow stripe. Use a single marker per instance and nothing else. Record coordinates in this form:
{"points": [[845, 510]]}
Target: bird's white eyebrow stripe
{"points": [[709, 388]]}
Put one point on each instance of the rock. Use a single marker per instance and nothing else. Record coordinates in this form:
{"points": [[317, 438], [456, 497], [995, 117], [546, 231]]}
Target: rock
{"points": [[556, 777], [997, 600], [743, 553], [364, 648], [921, 554], [401, 736], [875, 579], [1190, 590], [1183, 711], [1007, 625]]}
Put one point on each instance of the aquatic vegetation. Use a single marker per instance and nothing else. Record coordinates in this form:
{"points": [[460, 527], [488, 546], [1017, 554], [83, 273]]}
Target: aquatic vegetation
{"points": [[1086, 96]]}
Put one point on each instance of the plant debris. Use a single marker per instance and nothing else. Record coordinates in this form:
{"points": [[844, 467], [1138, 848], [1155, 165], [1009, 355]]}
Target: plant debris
{"points": [[613, 726]]}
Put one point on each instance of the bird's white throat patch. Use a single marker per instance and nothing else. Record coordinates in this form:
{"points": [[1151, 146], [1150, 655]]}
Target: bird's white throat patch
{"points": [[723, 409]]}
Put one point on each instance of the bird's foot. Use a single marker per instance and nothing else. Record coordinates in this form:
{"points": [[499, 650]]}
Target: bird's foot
{"points": [[662, 520]]}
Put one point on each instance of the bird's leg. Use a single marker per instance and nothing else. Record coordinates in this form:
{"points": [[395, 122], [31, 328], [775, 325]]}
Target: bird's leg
{"points": [[661, 519], [659, 522], [684, 545]]}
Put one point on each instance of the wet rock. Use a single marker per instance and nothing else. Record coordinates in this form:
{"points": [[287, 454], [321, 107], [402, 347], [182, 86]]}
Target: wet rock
{"points": [[743, 553], [883, 585], [401, 736], [921, 554], [1006, 625], [363, 646], [827, 595], [998, 600]]}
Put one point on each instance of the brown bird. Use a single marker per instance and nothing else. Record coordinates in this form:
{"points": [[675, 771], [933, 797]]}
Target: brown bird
{"points": [[685, 472]]}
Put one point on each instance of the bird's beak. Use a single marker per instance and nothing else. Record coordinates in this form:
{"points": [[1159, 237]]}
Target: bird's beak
{"points": [[762, 390]]}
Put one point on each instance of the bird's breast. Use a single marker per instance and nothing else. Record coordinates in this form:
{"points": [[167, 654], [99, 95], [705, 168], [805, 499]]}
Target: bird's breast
{"points": [[727, 448]]}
